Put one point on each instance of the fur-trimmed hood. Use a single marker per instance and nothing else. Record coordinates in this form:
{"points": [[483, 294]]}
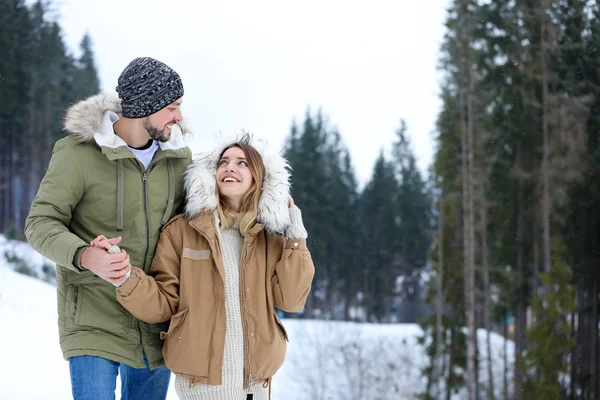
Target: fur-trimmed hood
{"points": [[201, 185], [92, 119]]}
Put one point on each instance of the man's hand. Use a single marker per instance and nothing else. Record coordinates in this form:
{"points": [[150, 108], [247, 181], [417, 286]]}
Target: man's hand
{"points": [[111, 267]]}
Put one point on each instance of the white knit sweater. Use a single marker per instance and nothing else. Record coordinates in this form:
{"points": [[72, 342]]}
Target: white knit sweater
{"points": [[232, 387]]}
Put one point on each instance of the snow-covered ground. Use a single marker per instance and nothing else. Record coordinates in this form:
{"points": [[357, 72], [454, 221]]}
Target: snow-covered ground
{"points": [[21, 257], [326, 360]]}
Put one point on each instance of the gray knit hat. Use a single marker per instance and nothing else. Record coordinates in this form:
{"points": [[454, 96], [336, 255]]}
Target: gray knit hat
{"points": [[146, 86]]}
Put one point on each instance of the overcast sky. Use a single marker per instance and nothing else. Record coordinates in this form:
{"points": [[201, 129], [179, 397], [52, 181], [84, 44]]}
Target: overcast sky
{"points": [[257, 65]]}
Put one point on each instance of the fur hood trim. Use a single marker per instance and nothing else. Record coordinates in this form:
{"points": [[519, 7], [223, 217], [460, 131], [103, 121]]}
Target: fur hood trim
{"points": [[201, 185], [92, 119]]}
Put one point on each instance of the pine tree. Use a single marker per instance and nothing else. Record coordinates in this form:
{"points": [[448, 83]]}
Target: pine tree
{"points": [[342, 206], [15, 69], [413, 202], [38, 83], [305, 153], [577, 67], [415, 218], [87, 75], [324, 185], [550, 336], [380, 237], [535, 102], [447, 171]]}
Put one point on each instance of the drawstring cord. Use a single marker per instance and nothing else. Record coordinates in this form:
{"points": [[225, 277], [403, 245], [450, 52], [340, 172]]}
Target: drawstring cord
{"points": [[119, 195], [171, 201]]}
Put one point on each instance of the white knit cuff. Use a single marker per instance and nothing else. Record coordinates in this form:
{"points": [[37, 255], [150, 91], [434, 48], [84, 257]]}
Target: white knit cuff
{"points": [[296, 229]]}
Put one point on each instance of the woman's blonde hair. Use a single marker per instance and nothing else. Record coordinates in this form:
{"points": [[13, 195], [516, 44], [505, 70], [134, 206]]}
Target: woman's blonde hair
{"points": [[249, 209]]}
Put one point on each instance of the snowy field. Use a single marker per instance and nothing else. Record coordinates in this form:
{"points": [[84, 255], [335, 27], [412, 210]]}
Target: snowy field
{"points": [[325, 361]]}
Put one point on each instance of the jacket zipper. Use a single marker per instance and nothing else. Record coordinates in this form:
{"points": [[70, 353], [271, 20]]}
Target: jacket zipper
{"points": [[213, 247], [250, 380], [145, 193], [145, 187], [244, 320]]}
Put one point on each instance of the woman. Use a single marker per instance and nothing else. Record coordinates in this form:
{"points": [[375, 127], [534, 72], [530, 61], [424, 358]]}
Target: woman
{"points": [[219, 271]]}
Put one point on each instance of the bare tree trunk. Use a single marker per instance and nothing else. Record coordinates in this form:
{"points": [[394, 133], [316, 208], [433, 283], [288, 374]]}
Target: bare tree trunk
{"points": [[470, 290], [466, 90], [31, 151], [580, 337], [48, 117], [536, 259], [486, 288], [469, 293], [448, 389], [5, 185], [573, 359], [546, 150], [519, 320], [505, 355], [347, 300], [10, 207], [366, 297], [437, 375], [476, 359], [595, 348], [445, 366], [34, 177]]}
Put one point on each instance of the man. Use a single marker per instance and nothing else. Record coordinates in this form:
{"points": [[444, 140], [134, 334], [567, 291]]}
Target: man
{"points": [[119, 174]]}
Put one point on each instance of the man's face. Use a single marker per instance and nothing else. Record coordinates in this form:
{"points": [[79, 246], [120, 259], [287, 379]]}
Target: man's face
{"points": [[160, 123]]}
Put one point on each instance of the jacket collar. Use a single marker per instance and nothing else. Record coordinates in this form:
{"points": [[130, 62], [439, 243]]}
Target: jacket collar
{"points": [[207, 222]]}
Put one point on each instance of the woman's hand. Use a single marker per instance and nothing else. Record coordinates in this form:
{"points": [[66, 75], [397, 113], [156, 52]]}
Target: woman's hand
{"points": [[104, 242], [291, 204]]}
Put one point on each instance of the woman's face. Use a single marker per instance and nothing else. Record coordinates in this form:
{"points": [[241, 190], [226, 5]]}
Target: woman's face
{"points": [[233, 176]]}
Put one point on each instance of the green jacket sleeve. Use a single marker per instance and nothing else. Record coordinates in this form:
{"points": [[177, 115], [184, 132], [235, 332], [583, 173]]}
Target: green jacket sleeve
{"points": [[61, 189]]}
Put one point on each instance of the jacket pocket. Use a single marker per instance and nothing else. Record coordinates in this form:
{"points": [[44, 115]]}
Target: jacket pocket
{"points": [[70, 304], [177, 320], [96, 308], [281, 327], [83, 278]]}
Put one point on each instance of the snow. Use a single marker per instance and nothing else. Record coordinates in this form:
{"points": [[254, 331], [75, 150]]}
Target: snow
{"points": [[16, 254], [325, 360]]}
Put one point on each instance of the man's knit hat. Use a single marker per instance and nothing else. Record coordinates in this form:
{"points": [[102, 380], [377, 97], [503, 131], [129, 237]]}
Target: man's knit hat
{"points": [[146, 86]]}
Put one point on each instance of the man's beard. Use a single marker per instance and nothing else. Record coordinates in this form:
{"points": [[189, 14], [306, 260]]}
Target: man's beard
{"points": [[160, 135]]}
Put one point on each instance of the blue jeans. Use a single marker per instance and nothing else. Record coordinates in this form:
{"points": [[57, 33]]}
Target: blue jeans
{"points": [[95, 378]]}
